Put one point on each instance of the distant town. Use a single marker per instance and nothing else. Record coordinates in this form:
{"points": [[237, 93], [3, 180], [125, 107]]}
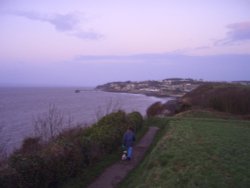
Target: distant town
{"points": [[172, 87]]}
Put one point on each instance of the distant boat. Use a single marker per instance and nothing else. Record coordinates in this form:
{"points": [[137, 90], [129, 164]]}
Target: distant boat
{"points": [[77, 91]]}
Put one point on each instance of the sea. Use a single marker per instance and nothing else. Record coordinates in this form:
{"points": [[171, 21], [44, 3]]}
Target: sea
{"points": [[20, 107]]}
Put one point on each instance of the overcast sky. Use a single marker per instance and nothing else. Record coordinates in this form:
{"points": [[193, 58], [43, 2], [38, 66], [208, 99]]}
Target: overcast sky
{"points": [[91, 42]]}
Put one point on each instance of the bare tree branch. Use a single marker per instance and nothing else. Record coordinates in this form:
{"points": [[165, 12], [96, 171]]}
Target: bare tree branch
{"points": [[110, 106], [50, 124]]}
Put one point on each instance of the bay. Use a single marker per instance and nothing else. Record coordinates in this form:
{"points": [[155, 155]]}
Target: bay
{"points": [[20, 106]]}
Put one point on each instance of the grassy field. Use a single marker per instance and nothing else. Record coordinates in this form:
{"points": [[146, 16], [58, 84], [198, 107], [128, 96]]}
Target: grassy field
{"points": [[195, 152]]}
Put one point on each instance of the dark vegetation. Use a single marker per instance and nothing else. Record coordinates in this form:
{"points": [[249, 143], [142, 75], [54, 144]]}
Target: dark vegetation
{"points": [[3, 142], [169, 108], [72, 152], [231, 98], [227, 98]]}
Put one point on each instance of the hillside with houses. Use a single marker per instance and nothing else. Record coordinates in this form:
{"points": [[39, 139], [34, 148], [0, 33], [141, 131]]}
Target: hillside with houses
{"points": [[165, 88]]}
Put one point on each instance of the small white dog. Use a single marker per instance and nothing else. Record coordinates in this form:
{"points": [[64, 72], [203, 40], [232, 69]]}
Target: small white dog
{"points": [[124, 155]]}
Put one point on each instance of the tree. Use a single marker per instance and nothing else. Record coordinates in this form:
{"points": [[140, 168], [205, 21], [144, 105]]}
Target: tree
{"points": [[49, 124]]}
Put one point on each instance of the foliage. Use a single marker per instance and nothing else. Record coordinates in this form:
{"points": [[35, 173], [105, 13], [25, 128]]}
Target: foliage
{"points": [[71, 152], [3, 143], [155, 109], [31, 144], [29, 169], [95, 170], [231, 98], [169, 108], [8, 177], [135, 120]]}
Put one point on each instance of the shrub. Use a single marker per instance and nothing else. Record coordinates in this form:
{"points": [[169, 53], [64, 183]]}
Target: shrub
{"points": [[169, 108], [63, 159], [135, 120], [3, 153], [31, 144], [229, 98], [155, 109], [67, 154], [30, 169], [8, 178], [109, 130]]}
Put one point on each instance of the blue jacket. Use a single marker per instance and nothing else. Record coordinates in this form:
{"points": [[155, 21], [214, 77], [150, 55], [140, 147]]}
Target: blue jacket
{"points": [[128, 138]]}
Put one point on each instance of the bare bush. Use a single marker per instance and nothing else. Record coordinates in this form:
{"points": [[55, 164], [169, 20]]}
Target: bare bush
{"points": [[3, 144], [50, 124], [3, 140], [110, 107]]}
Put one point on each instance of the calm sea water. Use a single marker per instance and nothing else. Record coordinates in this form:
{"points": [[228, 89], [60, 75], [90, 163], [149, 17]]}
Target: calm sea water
{"points": [[20, 106]]}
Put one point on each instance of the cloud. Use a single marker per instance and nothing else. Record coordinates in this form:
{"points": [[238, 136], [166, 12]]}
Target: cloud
{"points": [[156, 58], [87, 34], [202, 47], [147, 57], [238, 32], [65, 22], [129, 58], [68, 23]]}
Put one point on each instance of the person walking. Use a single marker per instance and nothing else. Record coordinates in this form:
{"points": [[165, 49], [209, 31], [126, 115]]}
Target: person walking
{"points": [[128, 141]]}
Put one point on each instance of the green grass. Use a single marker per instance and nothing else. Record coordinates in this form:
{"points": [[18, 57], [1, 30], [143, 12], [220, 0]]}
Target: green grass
{"points": [[201, 113], [195, 152]]}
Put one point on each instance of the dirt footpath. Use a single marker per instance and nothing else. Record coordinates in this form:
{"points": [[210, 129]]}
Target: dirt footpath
{"points": [[118, 171]]}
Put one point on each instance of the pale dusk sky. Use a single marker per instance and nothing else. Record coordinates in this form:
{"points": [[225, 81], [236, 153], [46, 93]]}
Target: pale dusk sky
{"points": [[91, 42]]}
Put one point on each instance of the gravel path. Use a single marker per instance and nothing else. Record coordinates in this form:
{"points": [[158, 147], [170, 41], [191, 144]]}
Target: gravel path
{"points": [[118, 171]]}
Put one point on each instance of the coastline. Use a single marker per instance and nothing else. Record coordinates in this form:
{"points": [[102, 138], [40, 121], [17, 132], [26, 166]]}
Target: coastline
{"points": [[82, 108], [174, 87], [149, 94]]}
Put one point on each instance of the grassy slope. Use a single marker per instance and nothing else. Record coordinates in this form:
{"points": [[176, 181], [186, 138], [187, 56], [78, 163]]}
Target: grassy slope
{"points": [[196, 152], [231, 98]]}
